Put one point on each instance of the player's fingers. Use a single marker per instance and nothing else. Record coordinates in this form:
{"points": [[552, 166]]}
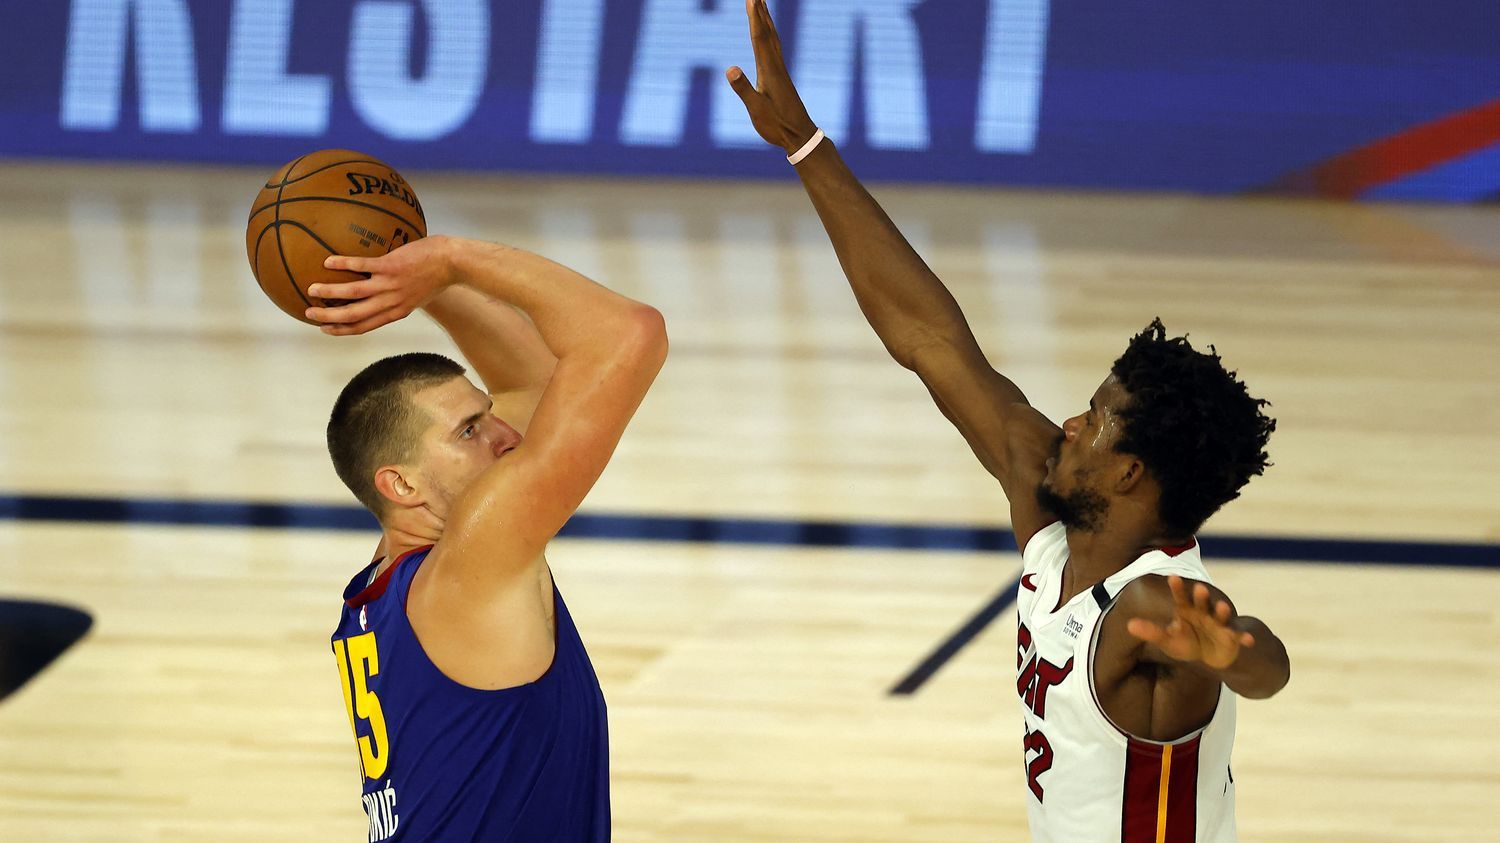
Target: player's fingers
{"points": [[757, 29], [741, 85], [773, 39], [760, 40], [353, 263], [362, 327], [1179, 592], [1221, 612], [1145, 630], [766, 20], [1200, 597], [766, 42], [1247, 640], [348, 290], [348, 314], [757, 41]]}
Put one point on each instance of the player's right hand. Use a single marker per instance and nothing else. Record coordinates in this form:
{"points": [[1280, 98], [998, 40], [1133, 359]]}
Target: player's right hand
{"points": [[775, 108], [398, 283]]}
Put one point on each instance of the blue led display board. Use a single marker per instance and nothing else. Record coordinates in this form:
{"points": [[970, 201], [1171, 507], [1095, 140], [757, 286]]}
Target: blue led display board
{"points": [[1376, 99]]}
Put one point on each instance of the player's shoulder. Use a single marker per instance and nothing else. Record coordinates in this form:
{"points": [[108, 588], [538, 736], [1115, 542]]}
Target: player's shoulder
{"points": [[1150, 595]]}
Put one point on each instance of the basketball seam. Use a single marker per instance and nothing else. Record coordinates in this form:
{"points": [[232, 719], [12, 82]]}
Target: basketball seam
{"points": [[255, 261], [277, 224], [279, 202], [284, 182], [290, 278], [255, 257], [310, 233]]}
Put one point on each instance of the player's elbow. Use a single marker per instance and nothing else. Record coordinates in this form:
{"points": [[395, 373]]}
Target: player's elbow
{"points": [[644, 337], [1269, 681], [636, 344], [1282, 676]]}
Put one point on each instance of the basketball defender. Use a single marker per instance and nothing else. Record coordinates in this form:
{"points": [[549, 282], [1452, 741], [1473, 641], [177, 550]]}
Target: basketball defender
{"points": [[475, 709], [1128, 658]]}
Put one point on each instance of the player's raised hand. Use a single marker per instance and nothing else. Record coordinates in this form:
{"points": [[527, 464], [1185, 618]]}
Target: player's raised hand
{"points": [[1196, 632], [775, 108], [398, 283]]}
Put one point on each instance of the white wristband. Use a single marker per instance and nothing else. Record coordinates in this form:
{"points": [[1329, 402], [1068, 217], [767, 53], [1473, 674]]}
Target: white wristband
{"points": [[796, 157]]}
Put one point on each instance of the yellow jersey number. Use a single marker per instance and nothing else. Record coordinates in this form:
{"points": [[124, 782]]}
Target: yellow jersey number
{"points": [[358, 660]]}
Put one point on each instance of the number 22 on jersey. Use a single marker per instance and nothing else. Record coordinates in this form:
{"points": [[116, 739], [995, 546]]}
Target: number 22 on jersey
{"points": [[359, 661]]}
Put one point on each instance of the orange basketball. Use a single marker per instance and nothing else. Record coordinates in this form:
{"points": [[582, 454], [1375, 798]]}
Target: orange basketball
{"points": [[330, 202]]}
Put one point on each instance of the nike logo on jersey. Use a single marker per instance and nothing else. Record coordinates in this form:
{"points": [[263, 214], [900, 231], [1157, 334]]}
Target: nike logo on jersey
{"points": [[1028, 582]]}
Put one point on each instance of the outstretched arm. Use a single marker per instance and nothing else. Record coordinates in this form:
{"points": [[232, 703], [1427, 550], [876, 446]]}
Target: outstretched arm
{"points": [[911, 311]]}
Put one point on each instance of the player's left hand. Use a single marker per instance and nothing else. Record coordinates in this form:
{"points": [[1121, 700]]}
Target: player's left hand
{"points": [[1196, 632], [399, 282]]}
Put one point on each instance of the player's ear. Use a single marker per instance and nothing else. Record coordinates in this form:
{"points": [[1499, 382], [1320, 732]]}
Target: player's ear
{"points": [[395, 486], [1132, 472]]}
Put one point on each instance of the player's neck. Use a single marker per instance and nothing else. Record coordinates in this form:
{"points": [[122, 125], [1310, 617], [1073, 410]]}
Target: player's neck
{"points": [[1095, 555], [401, 538]]}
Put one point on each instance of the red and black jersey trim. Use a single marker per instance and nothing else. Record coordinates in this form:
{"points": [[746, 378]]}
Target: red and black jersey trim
{"points": [[377, 588]]}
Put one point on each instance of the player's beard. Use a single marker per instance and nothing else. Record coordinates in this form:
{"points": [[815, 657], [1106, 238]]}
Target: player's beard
{"points": [[1082, 509]]}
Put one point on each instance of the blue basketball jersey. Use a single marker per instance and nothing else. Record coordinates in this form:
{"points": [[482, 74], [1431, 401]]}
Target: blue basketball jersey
{"points": [[442, 761]]}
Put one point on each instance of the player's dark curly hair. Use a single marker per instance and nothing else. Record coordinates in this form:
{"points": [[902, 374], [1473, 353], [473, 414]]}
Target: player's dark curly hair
{"points": [[373, 422], [1192, 423]]}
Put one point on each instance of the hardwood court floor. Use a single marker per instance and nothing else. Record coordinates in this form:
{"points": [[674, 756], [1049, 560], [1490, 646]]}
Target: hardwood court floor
{"points": [[747, 684]]}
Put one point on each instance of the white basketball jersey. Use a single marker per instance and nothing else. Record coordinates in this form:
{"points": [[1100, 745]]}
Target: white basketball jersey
{"points": [[1089, 780]]}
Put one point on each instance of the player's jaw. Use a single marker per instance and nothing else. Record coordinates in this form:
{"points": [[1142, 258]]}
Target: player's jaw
{"points": [[1070, 489], [1068, 495]]}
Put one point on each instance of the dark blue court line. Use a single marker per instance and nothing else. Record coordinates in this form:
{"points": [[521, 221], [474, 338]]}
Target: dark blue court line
{"points": [[927, 537], [311, 516], [957, 641]]}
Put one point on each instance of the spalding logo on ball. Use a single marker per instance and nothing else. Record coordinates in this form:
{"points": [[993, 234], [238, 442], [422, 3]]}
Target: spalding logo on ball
{"points": [[331, 202]]}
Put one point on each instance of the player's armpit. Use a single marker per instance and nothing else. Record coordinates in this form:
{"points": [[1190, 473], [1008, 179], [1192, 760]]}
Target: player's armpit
{"points": [[1011, 439], [503, 521]]}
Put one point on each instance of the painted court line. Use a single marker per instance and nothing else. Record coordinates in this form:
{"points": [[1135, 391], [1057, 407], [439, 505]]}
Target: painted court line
{"points": [[769, 532], [785, 532]]}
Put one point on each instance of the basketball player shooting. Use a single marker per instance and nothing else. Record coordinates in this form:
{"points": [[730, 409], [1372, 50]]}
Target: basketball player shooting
{"points": [[1125, 647], [476, 710]]}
